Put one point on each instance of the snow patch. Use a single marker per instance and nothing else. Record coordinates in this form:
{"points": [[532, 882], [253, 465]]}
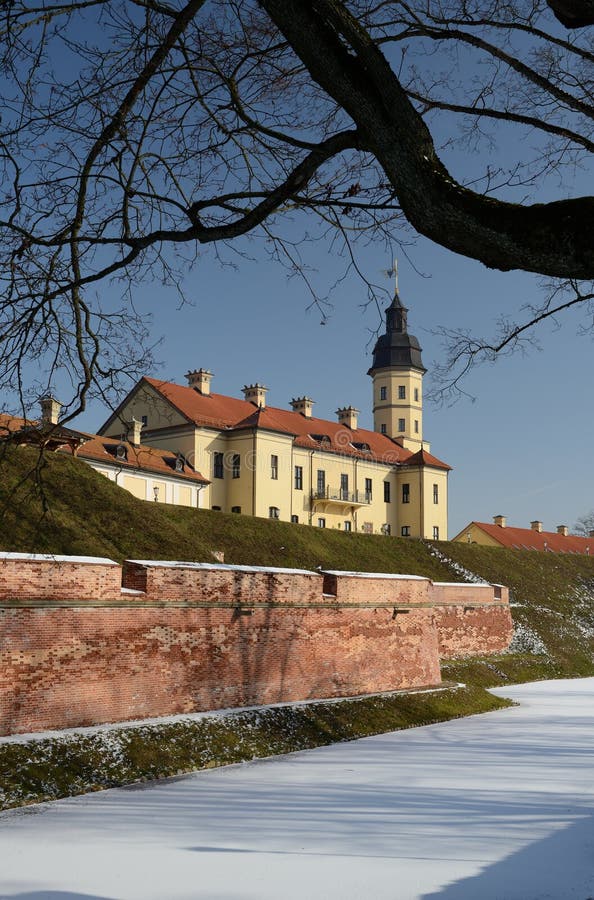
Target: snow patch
{"points": [[222, 567], [456, 567]]}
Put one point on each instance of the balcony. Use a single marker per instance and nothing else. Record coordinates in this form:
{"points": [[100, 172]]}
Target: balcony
{"points": [[341, 497]]}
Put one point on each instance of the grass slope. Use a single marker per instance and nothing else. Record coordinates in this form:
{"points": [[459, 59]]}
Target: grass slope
{"points": [[552, 599], [88, 515]]}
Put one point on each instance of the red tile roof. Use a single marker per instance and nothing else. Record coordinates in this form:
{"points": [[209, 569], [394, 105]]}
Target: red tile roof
{"points": [[527, 539], [147, 459], [218, 411], [100, 449], [9, 424], [423, 458]]}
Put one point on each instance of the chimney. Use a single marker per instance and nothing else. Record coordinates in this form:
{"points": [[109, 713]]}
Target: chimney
{"points": [[500, 520], [256, 394], [200, 381], [50, 410], [563, 529], [134, 429], [536, 526], [303, 405], [348, 416]]}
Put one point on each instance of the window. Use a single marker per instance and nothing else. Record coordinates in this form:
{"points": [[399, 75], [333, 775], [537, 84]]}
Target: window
{"points": [[382, 393], [274, 467], [405, 531], [218, 465], [416, 426], [436, 493], [406, 493], [236, 465], [321, 523], [217, 508], [144, 420], [347, 526], [236, 509], [435, 533], [386, 491], [383, 428], [321, 482], [416, 395], [387, 529], [344, 487], [273, 512], [401, 425], [295, 520], [367, 527], [298, 478], [401, 392], [368, 490]]}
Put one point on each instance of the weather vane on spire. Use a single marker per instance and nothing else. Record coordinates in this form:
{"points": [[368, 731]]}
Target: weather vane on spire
{"points": [[393, 273]]}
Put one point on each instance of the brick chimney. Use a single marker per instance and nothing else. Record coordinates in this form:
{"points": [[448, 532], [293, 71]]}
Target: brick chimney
{"points": [[200, 381], [134, 429], [256, 394], [50, 410], [500, 520], [303, 405], [348, 416], [563, 529], [536, 526]]}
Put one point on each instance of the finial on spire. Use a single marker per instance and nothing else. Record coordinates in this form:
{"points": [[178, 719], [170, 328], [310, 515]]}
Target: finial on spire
{"points": [[393, 273]]}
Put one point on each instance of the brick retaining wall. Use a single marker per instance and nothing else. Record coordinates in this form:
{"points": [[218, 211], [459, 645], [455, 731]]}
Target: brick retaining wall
{"points": [[40, 576], [206, 582], [181, 637], [86, 666]]}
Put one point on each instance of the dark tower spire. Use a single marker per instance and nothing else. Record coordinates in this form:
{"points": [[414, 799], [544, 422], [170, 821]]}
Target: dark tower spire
{"points": [[396, 348]]}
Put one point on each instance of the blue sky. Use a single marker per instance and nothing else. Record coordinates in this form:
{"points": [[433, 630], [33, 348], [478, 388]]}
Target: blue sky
{"points": [[522, 448]]}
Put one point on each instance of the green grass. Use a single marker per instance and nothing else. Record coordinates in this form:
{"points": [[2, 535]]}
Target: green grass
{"points": [[34, 771], [88, 515], [552, 605]]}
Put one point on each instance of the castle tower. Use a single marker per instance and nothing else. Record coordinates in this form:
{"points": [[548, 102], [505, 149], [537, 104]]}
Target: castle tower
{"points": [[397, 374]]}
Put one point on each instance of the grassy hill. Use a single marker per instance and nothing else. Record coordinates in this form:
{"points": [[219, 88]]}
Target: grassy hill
{"points": [[69, 508]]}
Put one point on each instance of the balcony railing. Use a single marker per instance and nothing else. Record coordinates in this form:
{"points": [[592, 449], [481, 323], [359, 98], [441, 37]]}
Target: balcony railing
{"points": [[341, 495]]}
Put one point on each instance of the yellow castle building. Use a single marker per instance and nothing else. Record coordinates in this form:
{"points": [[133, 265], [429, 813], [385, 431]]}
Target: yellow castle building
{"points": [[287, 464]]}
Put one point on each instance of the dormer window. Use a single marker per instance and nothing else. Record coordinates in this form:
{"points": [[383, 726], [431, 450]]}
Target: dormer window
{"points": [[362, 447], [320, 438], [179, 463], [121, 452]]}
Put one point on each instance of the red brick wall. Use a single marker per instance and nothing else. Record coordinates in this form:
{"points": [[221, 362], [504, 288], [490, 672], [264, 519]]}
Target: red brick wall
{"points": [[63, 667], [473, 631], [442, 592], [212, 583], [76, 650], [39, 578], [357, 588]]}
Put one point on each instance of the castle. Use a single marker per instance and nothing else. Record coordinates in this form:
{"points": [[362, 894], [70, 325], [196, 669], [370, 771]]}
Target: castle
{"points": [[249, 458]]}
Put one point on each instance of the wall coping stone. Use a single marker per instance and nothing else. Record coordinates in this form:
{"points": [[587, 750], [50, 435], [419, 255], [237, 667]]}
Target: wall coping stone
{"points": [[50, 557], [390, 575], [466, 584], [217, 567]]}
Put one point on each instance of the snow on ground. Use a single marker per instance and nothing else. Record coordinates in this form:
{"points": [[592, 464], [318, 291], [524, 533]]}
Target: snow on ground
{"points": [[496, 807]]}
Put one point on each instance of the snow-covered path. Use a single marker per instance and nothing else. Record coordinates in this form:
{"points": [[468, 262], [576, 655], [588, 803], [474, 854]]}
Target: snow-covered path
{"points": [[495, 806]]}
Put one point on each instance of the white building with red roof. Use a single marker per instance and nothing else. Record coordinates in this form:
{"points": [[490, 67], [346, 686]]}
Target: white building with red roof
{"points": [[288, 464]]}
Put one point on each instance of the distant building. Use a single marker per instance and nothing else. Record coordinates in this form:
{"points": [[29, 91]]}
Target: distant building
{"points": [[500, 534], [287, 464]]}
